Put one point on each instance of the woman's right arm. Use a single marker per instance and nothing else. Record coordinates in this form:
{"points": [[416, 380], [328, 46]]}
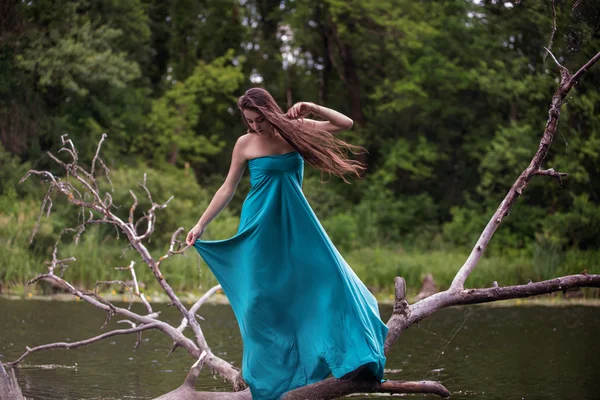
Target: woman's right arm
{"points": [[225, 193]]}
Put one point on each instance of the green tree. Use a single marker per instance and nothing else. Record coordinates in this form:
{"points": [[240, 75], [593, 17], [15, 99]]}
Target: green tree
{"points": [[187, 122]]}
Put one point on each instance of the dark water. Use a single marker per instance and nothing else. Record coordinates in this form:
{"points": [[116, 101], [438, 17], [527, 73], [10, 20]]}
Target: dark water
{"points": [[498, 353]]}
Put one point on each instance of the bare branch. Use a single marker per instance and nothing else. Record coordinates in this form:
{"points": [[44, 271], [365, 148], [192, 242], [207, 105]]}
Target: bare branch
{"points": [[584, 69], [73, 345], [170, 252], [174, 240], [132, 209], [567, 82], [104, 136], [73, 150], [108, 200], [334, 388], [194, 371], [223, 368], [137, 291], [151, 212], [552, 173], [117, 282], [139, 221], [125, 321], [41, 173], [400, 321], [55, 262], [194, 309], [331, 388], [37, 222], [476, 296], [401, 308], [562, 68], [98, 159], [89, 176], [553, 31], [102, 206], [9, 387]]}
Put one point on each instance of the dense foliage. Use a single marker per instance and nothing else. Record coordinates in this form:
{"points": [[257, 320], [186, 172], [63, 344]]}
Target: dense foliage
{"points": [[449, 98]]}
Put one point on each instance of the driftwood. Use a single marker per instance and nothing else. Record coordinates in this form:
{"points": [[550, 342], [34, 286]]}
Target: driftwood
{"points": [[9, 387], [98, 206]]}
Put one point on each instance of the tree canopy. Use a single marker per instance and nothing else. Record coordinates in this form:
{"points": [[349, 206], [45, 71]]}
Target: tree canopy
{"points": [[449, 98]]}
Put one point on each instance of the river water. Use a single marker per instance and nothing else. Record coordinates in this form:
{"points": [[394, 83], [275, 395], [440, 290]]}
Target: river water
{"points": [[477, 352]]}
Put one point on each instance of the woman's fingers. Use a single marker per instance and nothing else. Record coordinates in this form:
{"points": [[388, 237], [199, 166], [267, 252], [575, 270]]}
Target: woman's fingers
{"points": [[190, 238], [294, 111]]}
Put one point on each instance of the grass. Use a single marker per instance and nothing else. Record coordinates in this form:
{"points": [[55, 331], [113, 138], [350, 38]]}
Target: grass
{"points": [[99, 252], [376, 266]]}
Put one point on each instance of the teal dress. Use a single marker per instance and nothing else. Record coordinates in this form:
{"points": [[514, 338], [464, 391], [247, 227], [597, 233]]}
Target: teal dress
{"points": [[302, 312]]}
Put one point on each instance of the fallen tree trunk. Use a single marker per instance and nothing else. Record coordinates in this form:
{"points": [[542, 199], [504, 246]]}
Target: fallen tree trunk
{"points": [[324, 390]]}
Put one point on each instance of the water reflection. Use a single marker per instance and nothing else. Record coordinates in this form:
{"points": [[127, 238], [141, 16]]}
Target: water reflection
{"points": [[477, 352]]}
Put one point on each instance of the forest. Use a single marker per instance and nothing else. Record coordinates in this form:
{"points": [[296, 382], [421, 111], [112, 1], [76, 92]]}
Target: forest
{"points": [[449, 98]]}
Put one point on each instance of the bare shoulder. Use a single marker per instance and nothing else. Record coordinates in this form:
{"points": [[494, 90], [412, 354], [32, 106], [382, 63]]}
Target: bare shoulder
{"points": [[245, 137], [242, 144]]}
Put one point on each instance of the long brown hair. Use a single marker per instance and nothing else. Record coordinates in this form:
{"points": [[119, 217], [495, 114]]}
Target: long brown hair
{"points": [[319, 148]]}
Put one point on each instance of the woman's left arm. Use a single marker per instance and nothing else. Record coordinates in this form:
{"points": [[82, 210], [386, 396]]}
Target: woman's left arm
{"points": [[335, 121]]}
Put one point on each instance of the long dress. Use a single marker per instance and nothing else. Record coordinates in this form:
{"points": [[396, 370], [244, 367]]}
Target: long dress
{"points": [[302, 312]]}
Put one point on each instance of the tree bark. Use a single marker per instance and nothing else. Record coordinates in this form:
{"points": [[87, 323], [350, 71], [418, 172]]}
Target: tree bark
{"points": [[9, 387]]}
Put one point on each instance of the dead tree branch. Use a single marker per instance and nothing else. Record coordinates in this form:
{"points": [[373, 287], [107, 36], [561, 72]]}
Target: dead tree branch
{"points": [[100, 204], [551, 42], [324, 390], [74, 345], [405, 315], [194, 309], [137, 291], [567, 82], [9, 387]]}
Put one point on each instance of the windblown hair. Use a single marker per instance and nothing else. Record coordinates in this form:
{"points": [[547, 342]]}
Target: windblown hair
{"points": [[319, 148]]}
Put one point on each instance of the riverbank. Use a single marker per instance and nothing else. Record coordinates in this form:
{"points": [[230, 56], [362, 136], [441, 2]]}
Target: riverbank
{"points": [[550, 300], [376, 266]]}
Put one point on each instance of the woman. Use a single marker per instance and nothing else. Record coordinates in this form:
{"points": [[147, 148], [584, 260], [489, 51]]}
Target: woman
{"points": [[302, 312]]}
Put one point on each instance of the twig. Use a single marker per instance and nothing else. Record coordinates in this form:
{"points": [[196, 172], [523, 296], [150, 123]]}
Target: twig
{"points": [[583, 70], [194, 309], [132, 209], [104, 136], [171, 252], [37, 222], [562, 68], [117, 282], [553, 31], [137, 287]]}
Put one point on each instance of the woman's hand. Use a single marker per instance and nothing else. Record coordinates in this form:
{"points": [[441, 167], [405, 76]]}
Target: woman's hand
{"points": [[299, 110], [194, 234]]}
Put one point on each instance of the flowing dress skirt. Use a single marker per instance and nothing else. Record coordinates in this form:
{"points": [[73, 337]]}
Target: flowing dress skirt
{"points": [[302, 312]]}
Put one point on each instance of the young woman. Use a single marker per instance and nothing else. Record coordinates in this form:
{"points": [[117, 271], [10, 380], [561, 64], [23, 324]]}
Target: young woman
{"points": [[302, 312]]}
